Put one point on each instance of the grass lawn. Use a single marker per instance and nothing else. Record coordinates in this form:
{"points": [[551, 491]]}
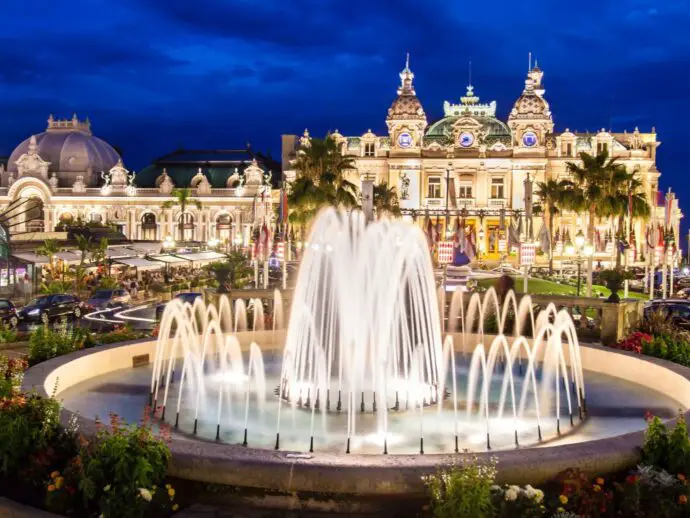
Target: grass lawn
{"points": [[544, 287]]}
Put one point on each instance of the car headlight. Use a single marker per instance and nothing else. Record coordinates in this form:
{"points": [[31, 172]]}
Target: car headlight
{"points": [[33, 312]]}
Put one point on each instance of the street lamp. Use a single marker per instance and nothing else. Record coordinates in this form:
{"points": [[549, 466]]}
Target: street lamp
{"points": [[168, 245], [582, 250], [213, 242]]}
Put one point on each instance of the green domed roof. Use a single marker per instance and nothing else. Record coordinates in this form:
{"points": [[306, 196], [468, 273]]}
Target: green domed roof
{"points": [[216, 165], [491, 125]]}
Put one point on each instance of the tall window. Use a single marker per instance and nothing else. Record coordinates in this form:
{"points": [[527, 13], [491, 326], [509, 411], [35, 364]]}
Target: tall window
{"points": [[497, 188], [433, 187], [602, 147], [465, 191], [569, 149], [148, 226], [96, 217], [369, 149]]}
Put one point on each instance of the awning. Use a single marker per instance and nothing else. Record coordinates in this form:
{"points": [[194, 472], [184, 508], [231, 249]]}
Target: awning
{"points": [[30, 257], [203, 257], [141, 264], [167, 258], [69, 256], [147, 248], [119, 251]]}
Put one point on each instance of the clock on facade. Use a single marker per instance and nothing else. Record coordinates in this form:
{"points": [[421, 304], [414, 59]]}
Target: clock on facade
{"points": [[405, 139], [529, 139], [466, 139]]}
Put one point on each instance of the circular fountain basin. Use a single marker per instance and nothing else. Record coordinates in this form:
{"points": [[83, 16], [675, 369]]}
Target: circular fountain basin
{"points": [[620, 388]]}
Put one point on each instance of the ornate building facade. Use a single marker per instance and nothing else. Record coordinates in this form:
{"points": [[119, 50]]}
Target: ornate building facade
{"points": [[472, 164], [76, 175]]}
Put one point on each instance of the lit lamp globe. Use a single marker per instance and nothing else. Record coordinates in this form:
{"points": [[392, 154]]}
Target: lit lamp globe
{"points": [[213, 242], [588, 250], [238, 240], [579, 239], [569, 249], [168, 243]]}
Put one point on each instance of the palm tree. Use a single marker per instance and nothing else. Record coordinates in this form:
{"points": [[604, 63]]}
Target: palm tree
{"points": [[183, 198], [321, 170], [48, 249], [551, 193], [319, 156], [386, 200], [623, 187], [84, 247]]}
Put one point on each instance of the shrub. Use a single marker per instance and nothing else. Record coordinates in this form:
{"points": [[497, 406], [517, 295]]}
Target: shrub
{"points": [[123, 471], [120, 334], [46, 343], [664, 449], [462, 490], [636, 342], [31, 438], [11, 374], [509, 501]]}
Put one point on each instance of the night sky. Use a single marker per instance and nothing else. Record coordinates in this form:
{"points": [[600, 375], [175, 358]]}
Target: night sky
{"points": [[156, 75]]}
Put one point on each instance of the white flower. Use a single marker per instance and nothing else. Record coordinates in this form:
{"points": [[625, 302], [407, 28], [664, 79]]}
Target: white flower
{"points": [[495, 488], [106, 488], [145, 494], [538, 496], [511, 494]]}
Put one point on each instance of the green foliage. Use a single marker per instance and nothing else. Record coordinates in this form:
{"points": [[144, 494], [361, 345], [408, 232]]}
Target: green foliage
{"points": [[8, 334], [462, 491], [123, 470], [108, 283], [664, 449], [235, 271], [120, 334], [28, 425], [11, 375], [56, 287], [46, 343], [613, 280], [668, 341]]}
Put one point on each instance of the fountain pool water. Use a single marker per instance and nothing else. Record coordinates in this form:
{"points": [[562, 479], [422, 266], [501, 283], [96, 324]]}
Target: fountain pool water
{"points": [[374, 359]]}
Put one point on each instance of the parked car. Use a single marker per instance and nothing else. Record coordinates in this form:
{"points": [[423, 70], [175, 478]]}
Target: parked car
{"points": [[676, 310], [49, 307], [683, 293], [8, 313], [103, 299], [184, 297]]}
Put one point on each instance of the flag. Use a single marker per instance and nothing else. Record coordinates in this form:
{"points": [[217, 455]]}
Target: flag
{"points": [[471, 249], [265, 238], [254, 210], [437, 232], [660, 236], [283, 216]]}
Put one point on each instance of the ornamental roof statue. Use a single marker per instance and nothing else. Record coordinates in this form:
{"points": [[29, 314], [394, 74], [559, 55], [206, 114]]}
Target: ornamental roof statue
{"points": [[406, 106], [531, 104]]}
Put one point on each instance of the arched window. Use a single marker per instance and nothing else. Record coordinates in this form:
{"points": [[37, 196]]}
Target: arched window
{"points": [[34, 215], [223, 225], [148, 226], [185, 225]]}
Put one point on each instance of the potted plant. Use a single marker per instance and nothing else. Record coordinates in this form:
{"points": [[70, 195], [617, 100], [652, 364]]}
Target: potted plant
{"points": [[613, 279]]}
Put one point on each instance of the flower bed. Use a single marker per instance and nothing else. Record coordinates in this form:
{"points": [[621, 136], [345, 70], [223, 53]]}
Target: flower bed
{"points": [[657, 488], [121, 472]]}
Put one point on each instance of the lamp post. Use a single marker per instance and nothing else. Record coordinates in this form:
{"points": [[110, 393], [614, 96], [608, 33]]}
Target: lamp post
{"points": [[213, 243], [582, 251]]}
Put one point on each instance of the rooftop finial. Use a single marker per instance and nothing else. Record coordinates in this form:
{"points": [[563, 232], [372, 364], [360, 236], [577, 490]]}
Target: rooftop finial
{"points": [[529, 63], [470, 74], [407, 61]]}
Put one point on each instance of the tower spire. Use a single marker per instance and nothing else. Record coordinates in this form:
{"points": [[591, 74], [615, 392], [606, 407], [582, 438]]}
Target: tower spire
{"points": [[529, 62], [407, 61], [470, 75]]}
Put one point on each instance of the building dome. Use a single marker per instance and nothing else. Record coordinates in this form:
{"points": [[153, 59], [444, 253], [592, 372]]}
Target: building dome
{"points": [[70, 147], [530, 105], [406, 106]]}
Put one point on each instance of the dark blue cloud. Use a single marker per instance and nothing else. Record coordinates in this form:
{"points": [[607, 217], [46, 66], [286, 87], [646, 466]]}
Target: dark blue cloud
{"points": [[155, 75]]}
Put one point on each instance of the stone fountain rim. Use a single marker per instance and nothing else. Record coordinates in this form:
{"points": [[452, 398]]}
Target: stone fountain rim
{"points": [[372, 474]]}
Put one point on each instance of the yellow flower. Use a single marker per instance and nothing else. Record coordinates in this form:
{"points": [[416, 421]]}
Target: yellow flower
{"points": [[171, 492], [55, 474], [175, 507], [600, 481], [145, 494], [596, 488], [106, 488], [51, 488], [563, 499], [167, 486], [560, 510], [59, 482]]}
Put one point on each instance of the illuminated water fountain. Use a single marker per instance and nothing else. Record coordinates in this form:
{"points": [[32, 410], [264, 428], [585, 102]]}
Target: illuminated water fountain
{"points": [[367, 363]]}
